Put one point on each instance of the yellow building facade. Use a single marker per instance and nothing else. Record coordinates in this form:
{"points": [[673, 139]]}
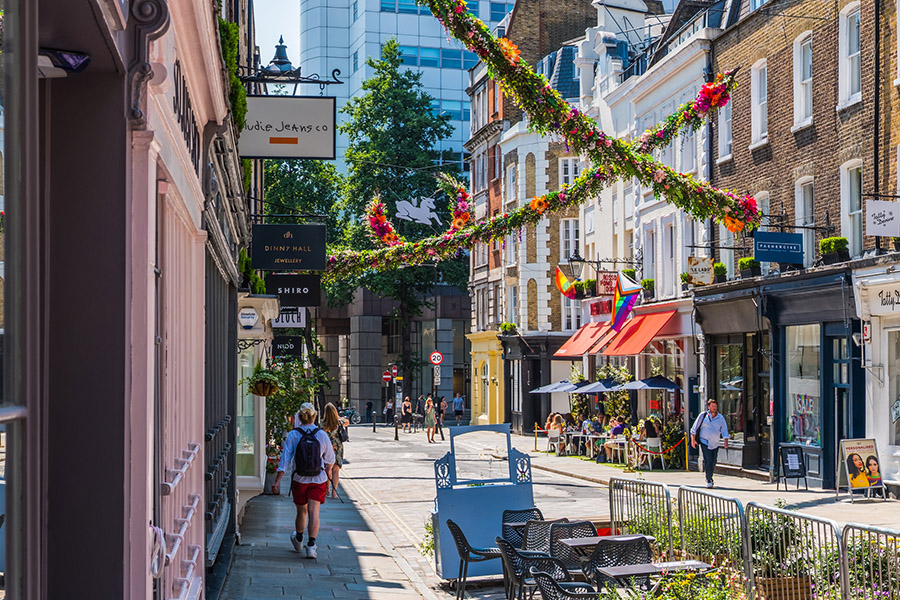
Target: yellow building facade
{"points": [[487, 393]]}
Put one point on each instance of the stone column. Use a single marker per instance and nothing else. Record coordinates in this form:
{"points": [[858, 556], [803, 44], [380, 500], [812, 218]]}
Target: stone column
{"points": [[444, 345], [365, 361]]}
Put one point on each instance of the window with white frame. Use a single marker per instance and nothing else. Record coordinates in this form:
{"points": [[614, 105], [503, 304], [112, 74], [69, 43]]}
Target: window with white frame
{"points": [[667, 273], [481, 254], [725, 132], [615, 204], [512, 304], [497, 169], [628, 198], [512, 248], [851, 205], [762, 205], [498, 305], [588, 220], [689, 152], [849, 67], [754, 4], [569, 169], [803, 92], [649, 254], [804, 205], [759, 107], [570, 238], [571, 314], [511, 193]]}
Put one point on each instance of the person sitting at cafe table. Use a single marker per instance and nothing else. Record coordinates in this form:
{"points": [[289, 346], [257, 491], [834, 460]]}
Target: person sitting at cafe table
{"points": [[560, 426], [648, 429], [549, 422], [618, 429]]}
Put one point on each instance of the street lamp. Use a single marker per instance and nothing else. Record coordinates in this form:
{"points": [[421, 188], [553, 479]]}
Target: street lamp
{"points": [[576, 265]]}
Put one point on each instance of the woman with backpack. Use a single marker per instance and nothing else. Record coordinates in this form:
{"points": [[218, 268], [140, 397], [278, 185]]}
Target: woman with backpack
{"points": [[333, 426]]}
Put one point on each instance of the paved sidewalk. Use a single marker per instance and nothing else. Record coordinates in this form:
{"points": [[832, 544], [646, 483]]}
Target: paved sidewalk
{"points": [[817, 502], [352, 564]]}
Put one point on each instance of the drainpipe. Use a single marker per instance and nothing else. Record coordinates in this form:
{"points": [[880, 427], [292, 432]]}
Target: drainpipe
{"points": [[875, 145]]}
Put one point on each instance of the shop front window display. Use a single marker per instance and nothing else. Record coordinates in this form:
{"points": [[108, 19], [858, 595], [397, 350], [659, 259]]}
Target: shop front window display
{"points": [[729, 390], [803, 408], [246, 418]]}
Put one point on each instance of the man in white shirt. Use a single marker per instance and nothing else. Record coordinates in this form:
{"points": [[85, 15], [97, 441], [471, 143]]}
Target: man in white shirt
{"points": [[709, 426], [308, 491]]}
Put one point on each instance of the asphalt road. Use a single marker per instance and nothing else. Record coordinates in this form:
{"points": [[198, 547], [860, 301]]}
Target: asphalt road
{"points": [[392, 483]]}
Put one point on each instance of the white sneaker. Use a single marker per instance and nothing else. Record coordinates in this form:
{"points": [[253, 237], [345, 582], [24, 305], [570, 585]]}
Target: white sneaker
{"points": [[709, 484], [295, 542], [312, 551]]}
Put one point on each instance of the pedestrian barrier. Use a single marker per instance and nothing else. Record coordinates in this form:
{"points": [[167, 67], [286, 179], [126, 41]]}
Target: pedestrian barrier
{"points": [[870, 562], [712, 528], [793, 555], [642, 507]]}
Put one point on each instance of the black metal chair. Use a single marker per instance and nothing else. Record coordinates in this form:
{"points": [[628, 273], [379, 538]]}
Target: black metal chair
{"points": [[517, 565], [551, 589], [573, 529], [537, 534], [467, 554], [615, 553], [514, 535]]}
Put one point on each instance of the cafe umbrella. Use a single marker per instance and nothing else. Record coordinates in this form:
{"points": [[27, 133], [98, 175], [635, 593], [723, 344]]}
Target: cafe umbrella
{"points": [[657, 382]]}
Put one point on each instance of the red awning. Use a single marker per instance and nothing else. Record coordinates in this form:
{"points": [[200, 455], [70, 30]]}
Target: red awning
{"points": [[637, 333], [581, 340], [603, 340]]}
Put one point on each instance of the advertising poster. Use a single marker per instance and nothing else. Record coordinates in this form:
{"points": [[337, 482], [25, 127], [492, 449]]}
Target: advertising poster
{"points": [[861, 466]]}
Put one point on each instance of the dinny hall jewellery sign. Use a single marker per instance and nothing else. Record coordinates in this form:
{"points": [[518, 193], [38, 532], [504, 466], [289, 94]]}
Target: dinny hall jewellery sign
{"points": [[288, 247]]}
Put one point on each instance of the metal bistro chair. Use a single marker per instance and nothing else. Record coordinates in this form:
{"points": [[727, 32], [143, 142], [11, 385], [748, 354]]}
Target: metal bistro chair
{"points": [[537, 535], [551, 589], [554, 438], [467, 554], [514, 535], [517, 565], [561, 531], [616, 553], [654, 445]]}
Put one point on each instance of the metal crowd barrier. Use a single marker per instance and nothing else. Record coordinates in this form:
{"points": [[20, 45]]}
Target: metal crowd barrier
{"points": [[642, 507], [712, 528], [793, 556], [870, 562]]}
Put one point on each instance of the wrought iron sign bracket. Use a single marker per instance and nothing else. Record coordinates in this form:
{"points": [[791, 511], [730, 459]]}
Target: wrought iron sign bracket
{"points": [[246, 344], [289, 77]]}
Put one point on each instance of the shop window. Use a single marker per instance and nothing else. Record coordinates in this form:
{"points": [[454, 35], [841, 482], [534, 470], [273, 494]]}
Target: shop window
{"points": [[729, 386], [803, 410], [894, 382], [246, 419]]}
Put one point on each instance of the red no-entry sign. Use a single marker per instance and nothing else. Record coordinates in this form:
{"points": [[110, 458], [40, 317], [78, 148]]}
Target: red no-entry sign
{"points": [[386, 375], [394, 370]]}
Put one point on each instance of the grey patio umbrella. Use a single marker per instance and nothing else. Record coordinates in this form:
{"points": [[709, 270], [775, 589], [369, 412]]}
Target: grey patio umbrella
{"points": [[604, 385], [657, 382], [550, 387]]}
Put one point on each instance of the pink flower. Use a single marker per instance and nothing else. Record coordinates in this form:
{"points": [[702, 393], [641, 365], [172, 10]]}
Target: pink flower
{"points": [[459, 9], [659, 176]]}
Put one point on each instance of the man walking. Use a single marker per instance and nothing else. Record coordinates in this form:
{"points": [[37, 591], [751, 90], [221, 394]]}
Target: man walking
{"points": [[310, 449], [459, 405], [709, 426]]}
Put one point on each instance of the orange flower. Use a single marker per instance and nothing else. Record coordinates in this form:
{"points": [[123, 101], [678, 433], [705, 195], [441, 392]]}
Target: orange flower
{"points": [[381, 218], [510, 50], [733, 225], [389, 238], [458, 223], [465, 217], [539, 205]]}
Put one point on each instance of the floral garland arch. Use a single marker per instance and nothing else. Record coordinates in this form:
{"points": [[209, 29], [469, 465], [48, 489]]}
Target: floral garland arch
{"points": [[610, 158]]}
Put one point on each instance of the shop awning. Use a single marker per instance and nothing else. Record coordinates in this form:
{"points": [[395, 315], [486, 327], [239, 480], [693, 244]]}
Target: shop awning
{"points": [[582, 340], [603, 340], [637, 333]]}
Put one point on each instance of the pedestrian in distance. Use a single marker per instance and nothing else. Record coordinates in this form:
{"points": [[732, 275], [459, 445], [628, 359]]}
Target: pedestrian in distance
{"points": [[420, 412], [430, 420], [334, 427], [389, 412], [459, 405], [406, 415], [709, 427], [442, 410], [309, 449]]}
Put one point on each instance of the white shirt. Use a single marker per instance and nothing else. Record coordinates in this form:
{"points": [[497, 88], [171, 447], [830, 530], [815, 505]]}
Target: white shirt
{"points": [[709, 428], [326, 451]]}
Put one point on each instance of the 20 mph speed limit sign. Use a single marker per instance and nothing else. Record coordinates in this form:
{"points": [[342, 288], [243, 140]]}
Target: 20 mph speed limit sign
{"points": [[436, 358]]}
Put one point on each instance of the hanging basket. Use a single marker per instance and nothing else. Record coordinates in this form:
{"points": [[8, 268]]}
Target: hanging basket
{"points": [[263, 388]]}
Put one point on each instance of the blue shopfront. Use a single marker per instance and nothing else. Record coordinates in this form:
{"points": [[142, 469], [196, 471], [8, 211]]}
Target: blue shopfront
{"points": [[782, 361]]}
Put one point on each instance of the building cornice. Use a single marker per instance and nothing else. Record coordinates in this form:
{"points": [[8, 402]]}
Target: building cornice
{"points": [[493, 128]]}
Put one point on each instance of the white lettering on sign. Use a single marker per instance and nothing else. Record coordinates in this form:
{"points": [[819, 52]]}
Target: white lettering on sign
{"points": [[882, 218]]}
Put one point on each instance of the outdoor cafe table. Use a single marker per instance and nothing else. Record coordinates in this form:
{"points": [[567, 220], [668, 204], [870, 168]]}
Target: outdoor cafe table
{"points": [[590, 437], [625, 572], [585, 546]]}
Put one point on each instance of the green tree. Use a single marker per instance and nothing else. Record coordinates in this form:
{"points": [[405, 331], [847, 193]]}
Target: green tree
{"points": [[393, 135], [309, 187]]}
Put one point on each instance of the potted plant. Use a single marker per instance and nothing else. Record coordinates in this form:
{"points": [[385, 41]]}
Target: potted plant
{"points": [[685, 278], [834, 250], [263, 382], [895, 241], [720, 271], [648, 285], [590, 288], [508, 328], [579, 289], [749, 267], [630, 274]]}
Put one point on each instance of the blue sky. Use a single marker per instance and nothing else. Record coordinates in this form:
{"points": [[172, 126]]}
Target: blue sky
{"points": [[275, 18]]}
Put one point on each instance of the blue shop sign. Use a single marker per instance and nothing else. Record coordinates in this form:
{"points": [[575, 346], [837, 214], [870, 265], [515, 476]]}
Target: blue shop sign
{"points": [[769, 246]]}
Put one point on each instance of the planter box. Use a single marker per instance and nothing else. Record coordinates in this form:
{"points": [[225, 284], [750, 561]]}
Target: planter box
{"points": [[833, 258], [647, 294], [784, 588], [685, 287], [751, 272], [720, 278]]}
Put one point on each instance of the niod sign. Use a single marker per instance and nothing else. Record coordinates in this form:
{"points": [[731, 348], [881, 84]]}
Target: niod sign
{"points": [[283, 247], [294, 290], [769, 246], [290, 346]]}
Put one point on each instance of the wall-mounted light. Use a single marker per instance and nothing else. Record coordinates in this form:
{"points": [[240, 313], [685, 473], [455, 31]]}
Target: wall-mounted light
{"points": [[61, 63]]}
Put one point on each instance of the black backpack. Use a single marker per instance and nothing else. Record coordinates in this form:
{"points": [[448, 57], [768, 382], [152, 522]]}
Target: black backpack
{"points": [[307, 456]]}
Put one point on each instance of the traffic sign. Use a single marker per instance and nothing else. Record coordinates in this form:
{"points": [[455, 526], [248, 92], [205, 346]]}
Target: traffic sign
{"points": [[436, 358], [386, 376], [437, 375], [394, 370]]}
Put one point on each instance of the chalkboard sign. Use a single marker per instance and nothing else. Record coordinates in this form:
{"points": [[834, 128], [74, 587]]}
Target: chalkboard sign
{"points": [[793, 464]]}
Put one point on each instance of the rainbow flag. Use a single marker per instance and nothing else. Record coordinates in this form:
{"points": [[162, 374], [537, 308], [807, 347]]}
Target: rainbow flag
{"points": [[625, 296], [565, 287]]}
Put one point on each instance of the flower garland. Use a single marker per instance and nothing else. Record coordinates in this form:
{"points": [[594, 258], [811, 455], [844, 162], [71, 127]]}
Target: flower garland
{"points": [[461, 203], [381, 229]]}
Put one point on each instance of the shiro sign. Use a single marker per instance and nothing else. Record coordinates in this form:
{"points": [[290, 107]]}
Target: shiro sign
{"points": [[289, 127], [294, 290], [700, 270], [288, 345], [882, 218], [769, 246], [288, 247], [248, 317], [295, 318]]}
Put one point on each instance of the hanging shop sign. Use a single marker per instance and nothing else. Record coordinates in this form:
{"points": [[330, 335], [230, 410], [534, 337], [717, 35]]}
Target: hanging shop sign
{"points": [[288, 346], [771, 246], [700, 270], [295, 290], [606, 282], [289, 127], [882, 218], [290, 318], [282, 247], [248, 317]]}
